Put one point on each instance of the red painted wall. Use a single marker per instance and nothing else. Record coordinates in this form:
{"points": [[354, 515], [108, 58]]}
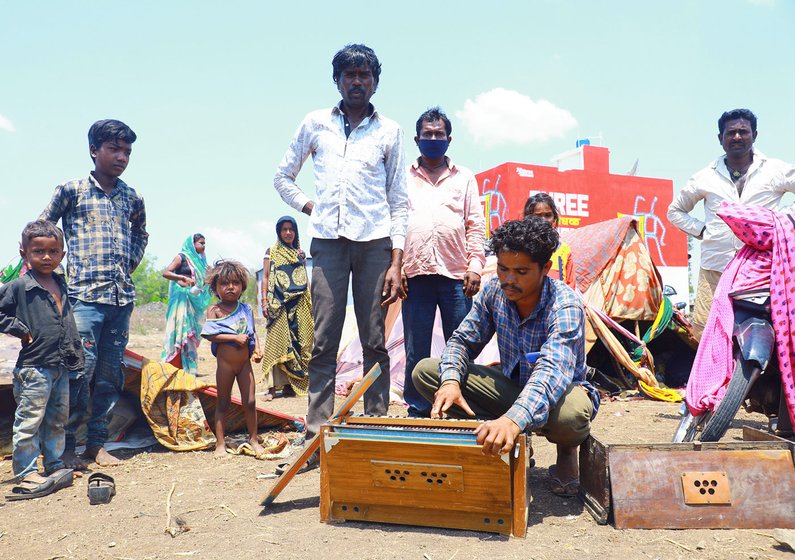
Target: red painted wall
{"points": [[587, 196]]}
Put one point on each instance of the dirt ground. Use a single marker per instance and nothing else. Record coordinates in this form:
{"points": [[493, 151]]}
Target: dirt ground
{"points": [[218, 502]]}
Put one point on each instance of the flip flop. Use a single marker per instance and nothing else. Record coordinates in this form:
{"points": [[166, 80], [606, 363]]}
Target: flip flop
{"points": [[312, 463], [568, 489], [62, 478], [101, 488], [27, 490]]}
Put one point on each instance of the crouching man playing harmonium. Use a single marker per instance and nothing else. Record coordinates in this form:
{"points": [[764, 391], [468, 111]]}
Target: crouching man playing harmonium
{"points": [[529, 312]]}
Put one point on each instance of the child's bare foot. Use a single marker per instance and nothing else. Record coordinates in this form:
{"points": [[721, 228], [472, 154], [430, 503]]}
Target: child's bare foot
{"points": [[256, 446], [73, 461], [270, 394], [220, 452], [101, 457]]}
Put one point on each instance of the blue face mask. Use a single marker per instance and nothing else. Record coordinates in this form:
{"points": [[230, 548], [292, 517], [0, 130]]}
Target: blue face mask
{"points": [[433, 149]]}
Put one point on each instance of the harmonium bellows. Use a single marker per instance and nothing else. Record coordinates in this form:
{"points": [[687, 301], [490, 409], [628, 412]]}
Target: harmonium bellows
{"points": [[419, 471]]}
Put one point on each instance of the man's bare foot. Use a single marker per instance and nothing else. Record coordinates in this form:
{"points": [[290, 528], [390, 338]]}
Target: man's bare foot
{"points": [[567, 465], [101, 457], [565, 473], [35, 478], [73, 461], [220, 451]]}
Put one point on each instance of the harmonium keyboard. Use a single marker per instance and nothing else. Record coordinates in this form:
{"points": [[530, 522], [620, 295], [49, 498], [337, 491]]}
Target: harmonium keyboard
{"points": [[419, 471]]}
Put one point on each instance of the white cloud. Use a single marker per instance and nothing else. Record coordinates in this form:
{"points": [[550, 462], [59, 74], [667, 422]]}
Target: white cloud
{"points": [[503, 116], [245, 245], [6, 124]]}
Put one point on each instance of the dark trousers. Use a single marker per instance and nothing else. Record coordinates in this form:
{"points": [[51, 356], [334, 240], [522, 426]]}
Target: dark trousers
{"points": [[334, 262], [425, 294]]}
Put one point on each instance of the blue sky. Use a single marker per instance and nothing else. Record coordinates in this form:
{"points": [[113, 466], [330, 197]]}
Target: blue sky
{"points": [[215, 92]]}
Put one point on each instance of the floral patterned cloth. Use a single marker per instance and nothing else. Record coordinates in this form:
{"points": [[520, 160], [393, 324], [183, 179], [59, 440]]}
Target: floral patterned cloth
{"points": [[767, 258], [172, 409]]}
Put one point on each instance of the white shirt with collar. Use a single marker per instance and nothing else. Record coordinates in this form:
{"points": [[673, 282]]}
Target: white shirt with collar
{"points": [[360, 180], [766, 183]]}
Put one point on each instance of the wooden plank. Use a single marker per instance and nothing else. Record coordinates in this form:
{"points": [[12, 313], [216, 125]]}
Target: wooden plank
{"points": [[358, 510], [647, 489], [752, 434], [595, 479], [520, 491], [312, 445]]}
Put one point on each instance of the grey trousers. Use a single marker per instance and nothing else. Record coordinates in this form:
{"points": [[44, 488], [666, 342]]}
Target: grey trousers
{"points": [[334, 262], [490, 394]]}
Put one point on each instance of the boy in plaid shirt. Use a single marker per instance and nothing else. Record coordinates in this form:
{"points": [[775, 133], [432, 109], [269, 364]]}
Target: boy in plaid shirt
{"points": [[104, 222]]}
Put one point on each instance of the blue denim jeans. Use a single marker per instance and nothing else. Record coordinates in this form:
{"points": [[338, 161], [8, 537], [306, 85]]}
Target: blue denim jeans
{"points": [[94, 391], [426, 293], [42, 396]]}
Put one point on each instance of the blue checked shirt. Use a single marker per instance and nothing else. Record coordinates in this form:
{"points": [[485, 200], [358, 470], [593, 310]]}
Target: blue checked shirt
{"points": [[555, 328], [105, 238]]}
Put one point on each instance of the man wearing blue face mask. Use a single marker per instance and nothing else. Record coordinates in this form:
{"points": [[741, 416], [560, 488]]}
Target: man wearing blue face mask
{"points": [[444, 253]]}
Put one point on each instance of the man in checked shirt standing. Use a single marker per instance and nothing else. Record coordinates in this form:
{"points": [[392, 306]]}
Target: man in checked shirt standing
{"points": [[529, 312], [104, 222], [358, 221]]}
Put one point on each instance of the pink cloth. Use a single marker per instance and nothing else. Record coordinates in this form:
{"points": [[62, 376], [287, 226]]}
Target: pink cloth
{"points": [[767, 258], [447, 227]]}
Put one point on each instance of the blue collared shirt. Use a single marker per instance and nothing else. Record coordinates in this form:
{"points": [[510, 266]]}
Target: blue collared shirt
{"points": [[555, 328]]}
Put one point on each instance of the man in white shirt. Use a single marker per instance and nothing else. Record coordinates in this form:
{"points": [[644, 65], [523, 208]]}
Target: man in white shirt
{"points": [[743, 175], [359, 220]]}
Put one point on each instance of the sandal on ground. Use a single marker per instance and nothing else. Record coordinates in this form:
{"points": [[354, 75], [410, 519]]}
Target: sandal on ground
{"points": [[312, 463], [29, 489], [101, 488], [568, 489], [62, 478]]}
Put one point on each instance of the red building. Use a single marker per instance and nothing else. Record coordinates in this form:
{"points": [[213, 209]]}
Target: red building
{"points": [[585, 192]]}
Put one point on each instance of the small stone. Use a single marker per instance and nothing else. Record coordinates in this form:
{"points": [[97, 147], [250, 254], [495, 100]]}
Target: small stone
{"points": [[701, 545], [111, 544]]}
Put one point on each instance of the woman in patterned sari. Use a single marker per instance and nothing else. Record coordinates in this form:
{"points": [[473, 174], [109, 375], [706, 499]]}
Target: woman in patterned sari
{"points": [[188, 298], [287, 306]]}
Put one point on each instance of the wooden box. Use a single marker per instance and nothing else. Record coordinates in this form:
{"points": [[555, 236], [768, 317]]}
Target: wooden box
{"points": [[737, 485], [425, 472]]}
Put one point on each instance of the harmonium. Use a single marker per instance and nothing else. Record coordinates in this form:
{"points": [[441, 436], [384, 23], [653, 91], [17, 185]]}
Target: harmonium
{"points": [[419, 471]]}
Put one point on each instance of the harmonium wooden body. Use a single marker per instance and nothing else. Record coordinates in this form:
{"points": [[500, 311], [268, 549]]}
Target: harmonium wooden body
{"points": [[418, 471]]}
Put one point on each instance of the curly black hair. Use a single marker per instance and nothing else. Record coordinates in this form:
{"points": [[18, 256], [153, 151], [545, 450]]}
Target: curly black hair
{"points": [[226, 270], [533, 236]]}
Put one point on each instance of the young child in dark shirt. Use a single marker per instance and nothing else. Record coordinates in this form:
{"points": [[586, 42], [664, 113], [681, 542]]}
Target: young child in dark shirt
{"points": [[35, 309]]}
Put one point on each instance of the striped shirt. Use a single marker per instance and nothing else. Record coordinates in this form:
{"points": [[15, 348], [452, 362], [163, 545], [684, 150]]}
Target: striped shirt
{"points": [[105, 238], [360, 179], [555, 328]]}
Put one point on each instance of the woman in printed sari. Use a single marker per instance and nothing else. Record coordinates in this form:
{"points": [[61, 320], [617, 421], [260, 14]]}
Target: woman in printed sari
{"points": [[287, 306], [188, 298]]}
